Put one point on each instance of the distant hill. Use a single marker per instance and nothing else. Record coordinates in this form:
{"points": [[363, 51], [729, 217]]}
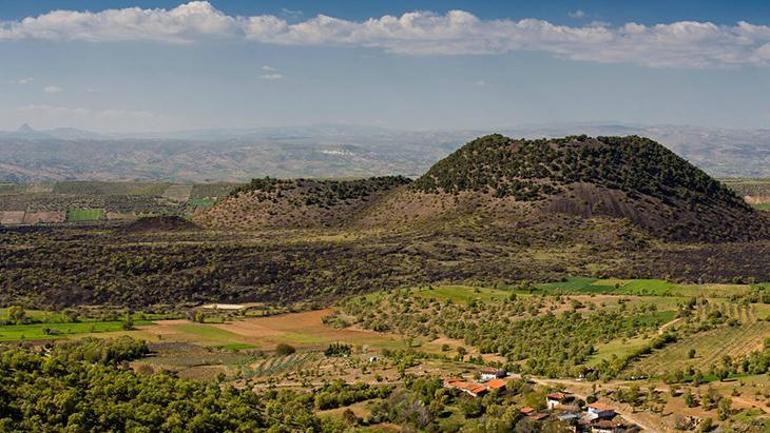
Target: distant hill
{"points": [[323, 151], [566, 187], [297, 203]]}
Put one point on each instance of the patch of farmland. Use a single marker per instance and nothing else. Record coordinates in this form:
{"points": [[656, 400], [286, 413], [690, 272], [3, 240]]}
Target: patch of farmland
{"points": [[50, 331], [710, 347], [76, 215], [212, 190], [305, 329], [281, 364], [44, 217], [12, 217], [178, 192], [463, 294], [100, 188]]}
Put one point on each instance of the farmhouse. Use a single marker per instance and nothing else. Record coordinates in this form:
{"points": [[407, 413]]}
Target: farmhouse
{"points": [[556, 399], [492, 373], [471, 388], [607, 426], [600, 410], [527, 411]]}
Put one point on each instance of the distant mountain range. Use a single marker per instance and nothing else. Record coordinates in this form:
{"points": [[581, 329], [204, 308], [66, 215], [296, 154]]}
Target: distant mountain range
{"points": [[31, 155]]}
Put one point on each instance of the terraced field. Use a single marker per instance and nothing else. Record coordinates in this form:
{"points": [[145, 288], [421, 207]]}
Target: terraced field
{"points": [[710, 347], [281, 364]]}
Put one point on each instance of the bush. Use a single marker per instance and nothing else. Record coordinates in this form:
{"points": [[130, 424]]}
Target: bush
{"points": [[284, 349]]}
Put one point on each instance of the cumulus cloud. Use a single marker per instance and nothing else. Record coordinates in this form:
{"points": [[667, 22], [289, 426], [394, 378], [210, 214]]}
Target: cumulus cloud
{"points": [[52, 89], [578, 14], [683, 44]]}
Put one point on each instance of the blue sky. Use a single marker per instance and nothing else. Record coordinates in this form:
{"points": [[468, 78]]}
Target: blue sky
{"points": [[411, 65]]}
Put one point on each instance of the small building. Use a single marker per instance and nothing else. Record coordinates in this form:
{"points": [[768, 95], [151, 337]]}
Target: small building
{"points": [[600, 410], [492, 373], [471, 388], [555, 399], [496, 384], [600, 425], [528, 411]]}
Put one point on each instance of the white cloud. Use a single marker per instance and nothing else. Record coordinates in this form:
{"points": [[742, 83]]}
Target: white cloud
{"points": [[578, 14], [683, 44], [480, 83], [52, 89], [271, 73], [23, 81]]}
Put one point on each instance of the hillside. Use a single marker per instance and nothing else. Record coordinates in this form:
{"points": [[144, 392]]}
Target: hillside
{"points": [[297, 203], [570, 188], [620, 177]]}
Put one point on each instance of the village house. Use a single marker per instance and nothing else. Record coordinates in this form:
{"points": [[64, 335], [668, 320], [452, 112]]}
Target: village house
{"points": [[471, 388], [600, 410], [600, 425], [556, 399], [527, 411], [489, 373]]}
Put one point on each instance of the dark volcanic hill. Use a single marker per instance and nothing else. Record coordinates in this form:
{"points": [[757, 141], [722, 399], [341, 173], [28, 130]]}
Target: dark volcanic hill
{"points": [[620, 177], [516, 185]]}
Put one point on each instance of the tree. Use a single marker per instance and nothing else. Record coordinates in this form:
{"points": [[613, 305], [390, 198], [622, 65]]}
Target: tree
{"points": [[17, 315], [691, 353], [725, 408], [689, 399], [128, 323], [461, 351], [284, 349], [706, 425]]}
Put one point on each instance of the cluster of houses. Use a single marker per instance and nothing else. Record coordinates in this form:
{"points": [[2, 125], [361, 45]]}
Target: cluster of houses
{"points": [[491, 379], [596, 417]]}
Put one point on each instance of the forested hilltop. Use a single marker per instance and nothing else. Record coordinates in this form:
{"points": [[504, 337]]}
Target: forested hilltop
{"points": [[535, 169], [632, 178]]}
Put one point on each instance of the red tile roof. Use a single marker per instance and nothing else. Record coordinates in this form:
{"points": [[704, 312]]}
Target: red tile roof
{"points": [[527, 410], [559, 396], [601, 406], [496, 384]]}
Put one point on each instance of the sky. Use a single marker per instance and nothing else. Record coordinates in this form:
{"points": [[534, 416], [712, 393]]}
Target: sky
{"points": [[135, 66]]}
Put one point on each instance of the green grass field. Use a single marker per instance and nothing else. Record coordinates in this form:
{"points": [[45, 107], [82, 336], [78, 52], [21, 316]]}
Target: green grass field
{"points": [[202, 203], [36, 331], [639, 287], [463, 294], [76, 215]]}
